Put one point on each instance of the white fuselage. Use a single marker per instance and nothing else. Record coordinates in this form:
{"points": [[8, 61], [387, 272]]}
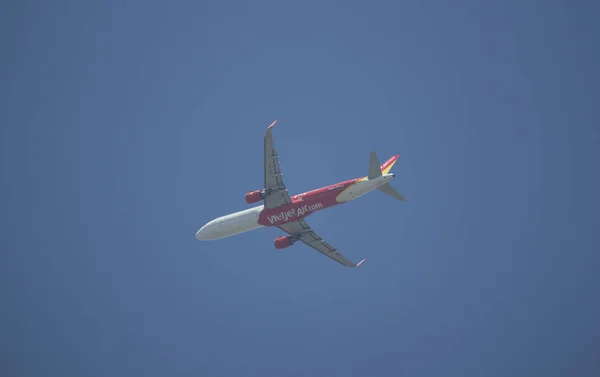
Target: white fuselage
{"points": [[246, 220], [229, 225]]}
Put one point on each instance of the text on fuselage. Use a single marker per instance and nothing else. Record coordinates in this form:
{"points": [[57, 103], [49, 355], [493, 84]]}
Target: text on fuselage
{"points": [[293, 213]]}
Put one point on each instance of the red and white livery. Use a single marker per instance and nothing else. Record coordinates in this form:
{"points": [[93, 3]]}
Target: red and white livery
{"points": [[288, 213]]}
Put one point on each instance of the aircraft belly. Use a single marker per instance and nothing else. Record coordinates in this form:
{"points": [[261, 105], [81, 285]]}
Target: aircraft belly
{"points": [[229, 225], [238, 225], [356, 190], [239, 222]]}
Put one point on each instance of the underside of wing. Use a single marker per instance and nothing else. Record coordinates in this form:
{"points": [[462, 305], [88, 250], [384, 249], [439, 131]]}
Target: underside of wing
{"points": [[303, 232], [276, 192]]}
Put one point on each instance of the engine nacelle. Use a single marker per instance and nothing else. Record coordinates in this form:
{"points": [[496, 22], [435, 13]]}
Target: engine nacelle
{"points": [[254, 196], [283, 242]]}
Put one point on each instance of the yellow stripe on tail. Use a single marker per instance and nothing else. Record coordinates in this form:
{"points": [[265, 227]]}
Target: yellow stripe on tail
{"points": [[387, 166]]}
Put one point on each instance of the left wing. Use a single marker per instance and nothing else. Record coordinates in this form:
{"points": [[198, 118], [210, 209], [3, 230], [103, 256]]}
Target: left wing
{"points": [[276, 192], [303, 232]]}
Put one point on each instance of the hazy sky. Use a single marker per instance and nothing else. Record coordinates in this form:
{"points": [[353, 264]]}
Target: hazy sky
{"points": [[126, 126]]}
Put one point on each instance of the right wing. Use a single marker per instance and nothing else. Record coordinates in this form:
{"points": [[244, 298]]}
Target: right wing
{"points": [[303, 232], [276, 192]]}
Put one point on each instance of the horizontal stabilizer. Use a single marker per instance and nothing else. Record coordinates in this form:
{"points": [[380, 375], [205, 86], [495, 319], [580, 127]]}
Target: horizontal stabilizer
{"points": [[374, 166], [386, 188]]}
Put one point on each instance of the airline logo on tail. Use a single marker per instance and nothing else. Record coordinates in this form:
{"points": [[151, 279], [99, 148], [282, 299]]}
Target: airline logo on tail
{"points": [[387, 166]]}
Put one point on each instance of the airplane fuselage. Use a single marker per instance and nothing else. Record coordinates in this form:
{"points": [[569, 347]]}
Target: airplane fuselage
{"points": [[302, 206]]}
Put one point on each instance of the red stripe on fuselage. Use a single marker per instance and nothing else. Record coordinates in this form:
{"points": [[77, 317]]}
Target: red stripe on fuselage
{"points": [[304, 204]]}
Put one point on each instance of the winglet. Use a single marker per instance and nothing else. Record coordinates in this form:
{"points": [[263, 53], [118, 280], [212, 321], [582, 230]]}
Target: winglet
{"points": [[361, 262], [273, 124]]}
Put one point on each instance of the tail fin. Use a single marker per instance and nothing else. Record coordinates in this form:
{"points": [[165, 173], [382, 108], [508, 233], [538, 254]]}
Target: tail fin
{"points": [[376, 169], [387, 166]]}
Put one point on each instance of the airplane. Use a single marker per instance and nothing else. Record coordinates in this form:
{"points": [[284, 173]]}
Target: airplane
{"points": [[288, 213]]}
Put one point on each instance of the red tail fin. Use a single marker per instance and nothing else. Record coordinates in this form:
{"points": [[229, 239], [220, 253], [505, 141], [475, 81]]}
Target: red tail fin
{"points": [[387, 166]]}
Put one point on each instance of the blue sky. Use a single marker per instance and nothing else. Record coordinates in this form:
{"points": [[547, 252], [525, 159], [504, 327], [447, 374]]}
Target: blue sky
{"points": [[126, 126]]}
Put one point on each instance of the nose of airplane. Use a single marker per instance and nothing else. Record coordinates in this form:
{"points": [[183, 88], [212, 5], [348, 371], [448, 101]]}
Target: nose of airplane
{"points": [[202, 233], [209, 231]]}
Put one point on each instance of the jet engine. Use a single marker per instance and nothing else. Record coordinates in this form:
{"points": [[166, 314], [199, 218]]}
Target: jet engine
{"points": [[283, 242], [255, 196]]}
